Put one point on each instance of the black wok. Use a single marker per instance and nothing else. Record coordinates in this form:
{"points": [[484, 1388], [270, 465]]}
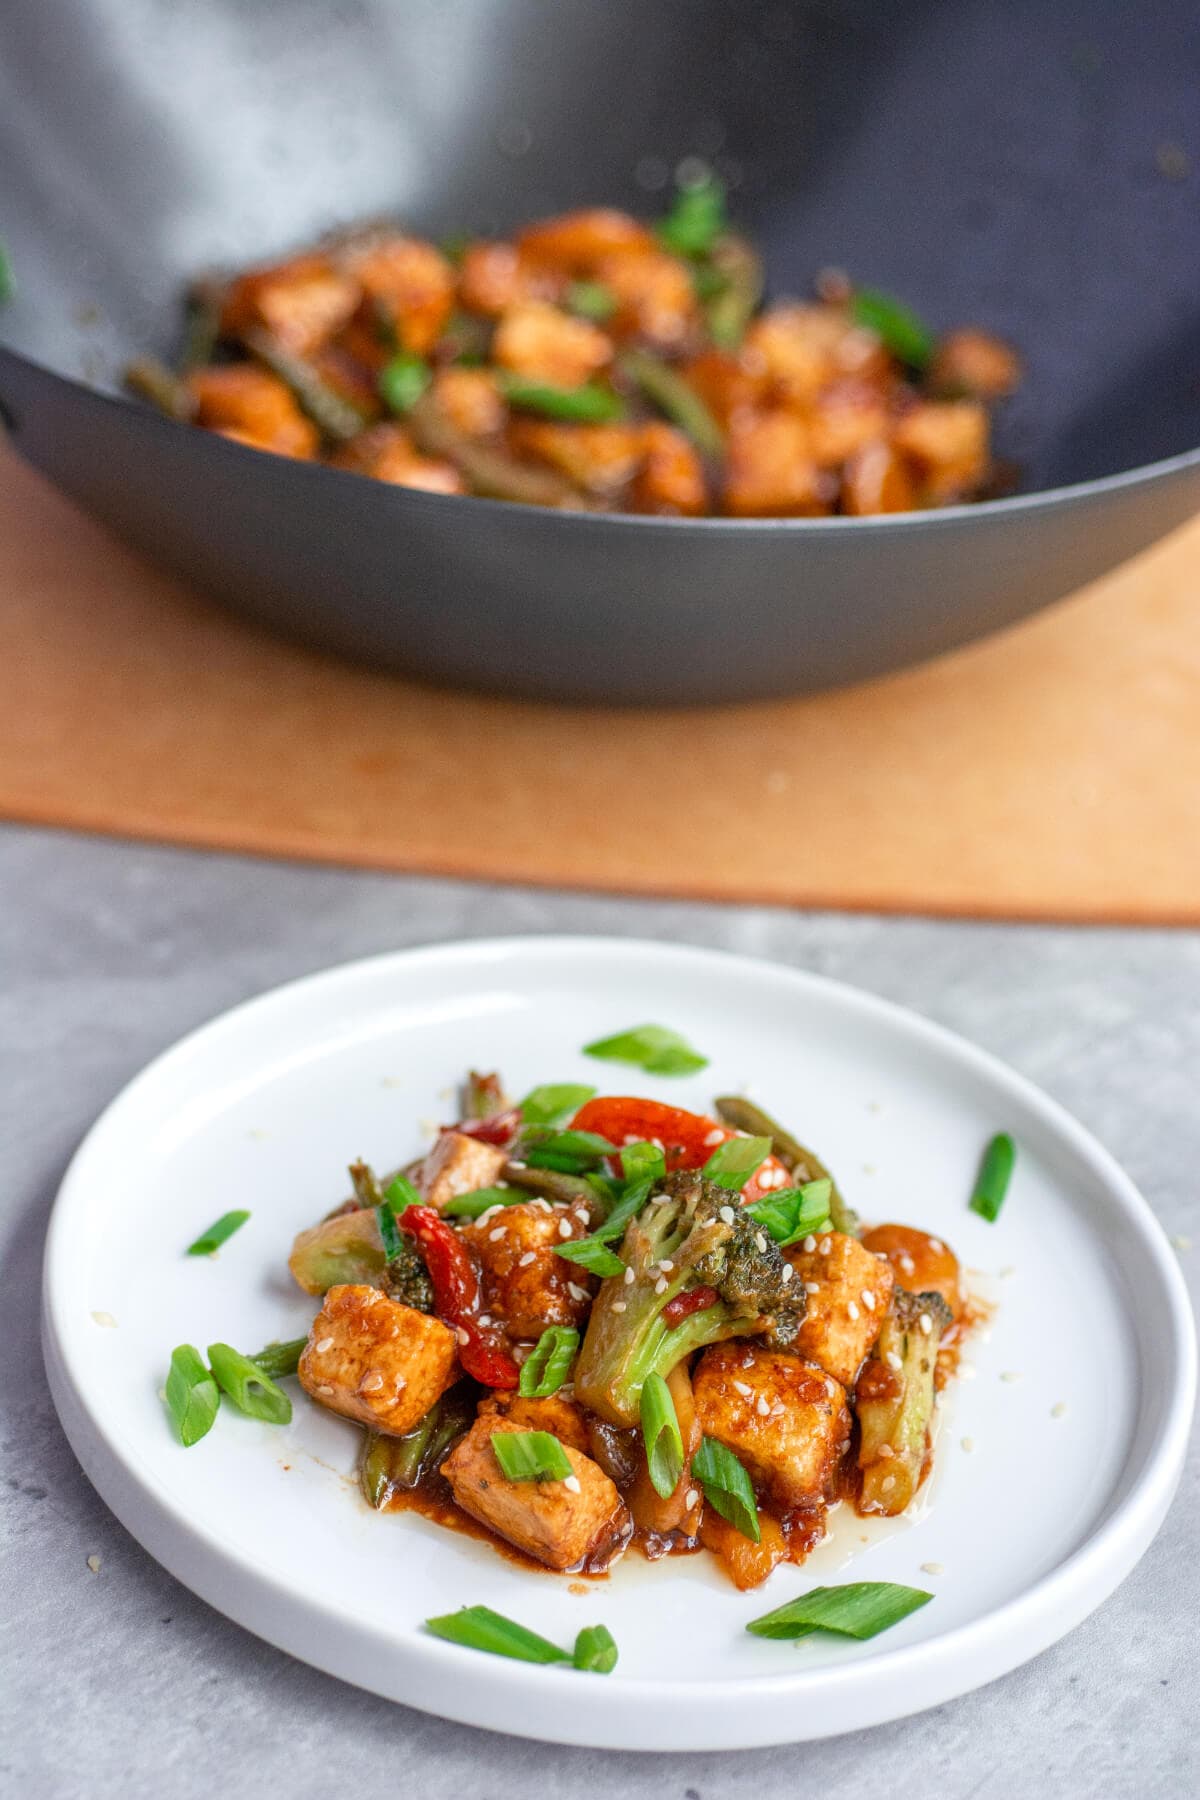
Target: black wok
{"points": [[1029, 167]]}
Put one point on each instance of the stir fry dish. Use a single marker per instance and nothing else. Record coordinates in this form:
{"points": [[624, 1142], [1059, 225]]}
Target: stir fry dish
{"points": [[589, 1321], [596, 362]]}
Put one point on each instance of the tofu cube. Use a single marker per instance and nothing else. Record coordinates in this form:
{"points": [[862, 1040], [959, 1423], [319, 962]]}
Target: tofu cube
{"points": [[559, 1416], [377, 1361], [526, 1284], [848, 1290], [559, 1523], [785, 1419], [459, 1164]]}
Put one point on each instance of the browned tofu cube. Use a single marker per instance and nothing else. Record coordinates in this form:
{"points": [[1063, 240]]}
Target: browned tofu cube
{"points": [[459, 1164], [560, 1523], [785, 1419], [948, 442], [541, 343], [557, 1415], [848, 1291], [377, 1361], [526, 1284]]}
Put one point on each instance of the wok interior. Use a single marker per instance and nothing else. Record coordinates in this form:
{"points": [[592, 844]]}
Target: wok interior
{"points": [[1024, 168]]}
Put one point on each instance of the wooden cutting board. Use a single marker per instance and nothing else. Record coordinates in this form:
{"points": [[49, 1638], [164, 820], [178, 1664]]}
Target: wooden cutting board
{"points": [[1053, 773]]}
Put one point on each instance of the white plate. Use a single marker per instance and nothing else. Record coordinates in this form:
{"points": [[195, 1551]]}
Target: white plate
{"points": [[1055, 1463]]}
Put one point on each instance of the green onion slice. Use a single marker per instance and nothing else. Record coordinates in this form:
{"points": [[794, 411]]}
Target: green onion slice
{"points": [[727, 1487], [733, 1163], [595, 1650], [696, 220], [280, 1359], [589, 404], [389, 1232], [571, 1152], [210, 1241], [592, 1255], [481, 1200], [403, 380], [678, 400], [591, 300], [995, 1173], [650, 1047], [531, 1456], [859, 1609], [555, 1103], [192, 1395], [479, 1628], [899, 329], [400, 1193], [549, 1362], [248, 1387], [790, 1214], [643, 1162], [661, 1436]]}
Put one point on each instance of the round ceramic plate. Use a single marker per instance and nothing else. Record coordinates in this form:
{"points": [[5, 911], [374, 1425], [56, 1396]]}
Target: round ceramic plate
{"points": [[1056, 1457]]}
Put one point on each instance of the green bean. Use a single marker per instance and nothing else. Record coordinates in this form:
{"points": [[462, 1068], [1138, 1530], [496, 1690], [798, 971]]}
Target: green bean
{"points": [[744, 1115], [389, 1463], [151, 380], [731, 309], [278, 1359], [332, 415], [673, 396], [588, 404], [552, 1184], [368, 1189], [483, 1095], [488, 471]]}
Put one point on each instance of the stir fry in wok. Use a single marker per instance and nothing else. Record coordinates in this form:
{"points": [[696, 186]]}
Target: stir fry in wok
{"points": [[589, 1321], [595, 362]]}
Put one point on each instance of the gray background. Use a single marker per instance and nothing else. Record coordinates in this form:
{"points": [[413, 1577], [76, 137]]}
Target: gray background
{"points": [[121, 1683]]}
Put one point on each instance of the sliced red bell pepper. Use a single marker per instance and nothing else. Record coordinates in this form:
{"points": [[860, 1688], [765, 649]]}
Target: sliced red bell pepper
{"points": [[693, 1300], [456, 1294], [498, 1128], [688, 1139]]}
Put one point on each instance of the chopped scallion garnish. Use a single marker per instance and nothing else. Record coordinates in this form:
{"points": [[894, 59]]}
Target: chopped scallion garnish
{"points": [[531, 1456], [595, 1650], [653, 1048], [251, 1390], [727, 1487], [589, 404], [733, 1163], [591, 300], [792, 1213], [403, 380], [897, 328], [555, 1103], [210, 1241], [280, 1359], [192, 1395], [995, 1173], [389, 1232], [481, 1200], [400, 1193], [661, 1436], [479, 1628], [859, 1609], [696, 220], [549, 1362], [592, 1255]]}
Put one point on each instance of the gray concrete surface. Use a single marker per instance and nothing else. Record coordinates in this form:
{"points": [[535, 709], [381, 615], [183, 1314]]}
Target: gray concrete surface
{"points": [[121, 1683]]}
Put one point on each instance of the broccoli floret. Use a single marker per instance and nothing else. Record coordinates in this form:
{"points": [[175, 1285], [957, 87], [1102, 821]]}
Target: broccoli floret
{"points": [[895, 1400], [689, 1236]]}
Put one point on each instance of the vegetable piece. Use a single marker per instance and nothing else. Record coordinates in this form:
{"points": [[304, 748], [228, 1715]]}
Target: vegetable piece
{"points": [[479, 1628], [151, 380], [903, 333], [679, 402], [389, 1463], [489, 472], [736, 1110], [376, 1360], [591, 300], [192, 1395], [403, 380], [570, 1152], [210, 1241], [203, 328], [280, 1359], [688, 1138], [858, 1609], [549, 1363], [552, 1184], [251, 1391], [530, 1456], [473, 1206], [593, 1256], [727, 1486], [483, 1096], [368, 1189], [790, 1214], [344, 1248], [554, 1104], [733, 1163], [894, 1401], [696, 220], [747, 1563], [653, 1048], [920, 1263], [994, 1176], [332, 415], [389, 1234], [588, 404], [661, 1435], [456, 1289], [400, 1193], [595, 1650], [688, 1237], [729, 308], [692, 1300]]}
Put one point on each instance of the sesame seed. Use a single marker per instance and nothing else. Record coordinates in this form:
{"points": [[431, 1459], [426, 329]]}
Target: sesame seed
{"points": [[660, 1286], [490, 1213], [571, 1482], [727, 1214], [565, 1228], [323, 1344], [693, 1499], [1059, 1410], [761, 1407], [744, 1388], [1181, 1242], [523, 1262], [463, 1336], [926, 1324], [886, 1452], [514, 1164], [786, 1273], [628, 1277], [889, 1481], [371, 1382], [825, 1246], [324, 1388], [907, 1265], [715, 1137], [1011, 1375], [1009, 1269], [968, 1445], [658, 1143], [485, 1318], [933, 1568], [666, 1265], [966, 1371], [936, 1244], [852, 1310], [760, 1239], [812, 1287], [93, 1563], [618, 1306], [576, 1292], [105, 1319], [810, 1243], [868, 1299], [893, 1360], [500, 1231]]}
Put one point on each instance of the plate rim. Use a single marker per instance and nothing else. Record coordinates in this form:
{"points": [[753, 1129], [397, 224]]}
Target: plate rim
{"points": [[943, 1667]]}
